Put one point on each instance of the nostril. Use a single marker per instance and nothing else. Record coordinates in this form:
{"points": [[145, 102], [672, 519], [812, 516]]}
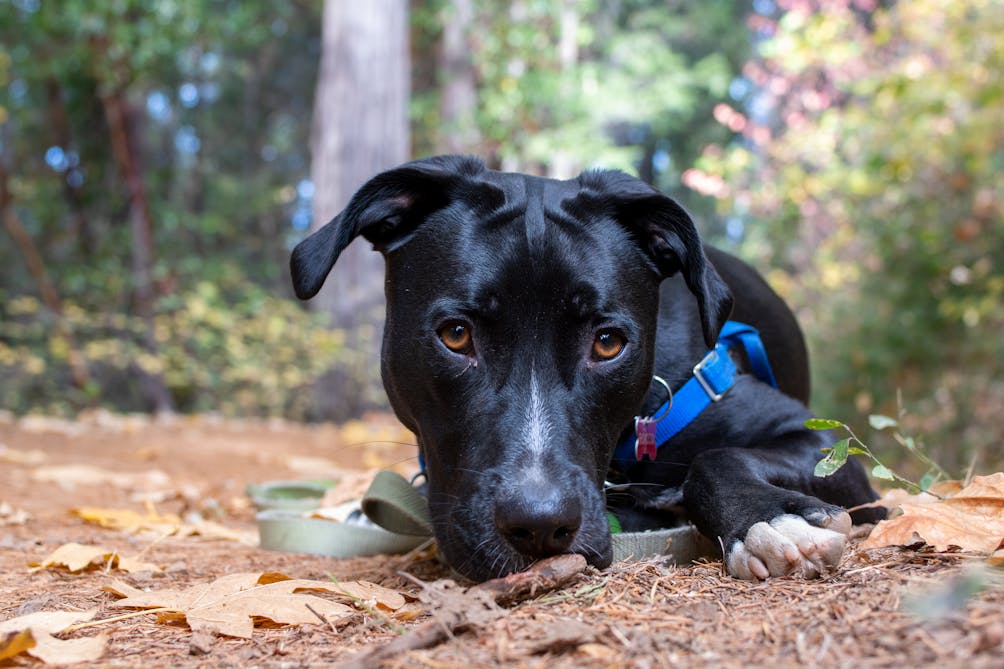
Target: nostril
{"points": [[520, 533], [540, 527]]}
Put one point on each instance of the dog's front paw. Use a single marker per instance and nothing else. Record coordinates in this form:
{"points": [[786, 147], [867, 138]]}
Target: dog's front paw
{"points": [[788, 544]]}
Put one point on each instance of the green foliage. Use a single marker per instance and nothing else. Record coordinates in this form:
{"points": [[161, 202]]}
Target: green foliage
{"points": [[218, 106], [865, 164], [564, 87], [244, 353], [873, 187], [216, 98], [836, 456]]}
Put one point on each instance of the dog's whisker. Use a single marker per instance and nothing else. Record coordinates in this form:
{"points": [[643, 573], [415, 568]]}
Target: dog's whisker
{"points": [[373, 442], [496, 562], [470, 365], [626, 486], [484, 542], [476, 472]]}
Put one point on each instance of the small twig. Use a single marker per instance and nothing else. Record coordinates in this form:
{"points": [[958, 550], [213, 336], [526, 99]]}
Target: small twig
{"points": [[397, 628], [581, 593], [150, 545], [721, 544], [972, 467], [416, 551], [870, 567], [414, 579], [548, 574], [321, 617], [115, 619], [542, 576]]}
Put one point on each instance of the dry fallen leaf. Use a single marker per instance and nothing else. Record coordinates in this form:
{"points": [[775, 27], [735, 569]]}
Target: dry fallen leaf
{"points": [[41, 625], [70, 476], [15, 643], [163, 524], [129, 520], [51, 650], [77, 557], [38, 424], [11, 516], [972, 520], [231, 604], [134, 565], [20, 457], [893, 498], [73, 556], [207, 529]]}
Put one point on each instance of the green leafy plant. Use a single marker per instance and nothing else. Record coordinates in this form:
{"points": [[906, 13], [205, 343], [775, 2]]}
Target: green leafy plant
{"points": [[234, 349], [836, 456], [897, 228]]}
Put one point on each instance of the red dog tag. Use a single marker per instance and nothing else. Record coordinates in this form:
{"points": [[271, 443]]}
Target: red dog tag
{"points": [[644, 429]]}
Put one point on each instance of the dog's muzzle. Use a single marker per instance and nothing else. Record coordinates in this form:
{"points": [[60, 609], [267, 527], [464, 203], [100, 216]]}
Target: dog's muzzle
{"points": [[538, 521]]}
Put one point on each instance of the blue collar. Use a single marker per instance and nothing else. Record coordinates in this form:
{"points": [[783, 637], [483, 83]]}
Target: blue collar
{"points": [[713, 377]]}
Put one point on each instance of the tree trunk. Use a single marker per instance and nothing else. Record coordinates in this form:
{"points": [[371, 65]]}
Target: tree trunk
{"points": [[459, 95], [562, 165], [59, 127], [141, 223], [360, 128]]}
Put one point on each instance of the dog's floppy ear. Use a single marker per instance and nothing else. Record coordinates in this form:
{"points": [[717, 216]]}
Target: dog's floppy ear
{"points": [[386, 210], [667, 234]]}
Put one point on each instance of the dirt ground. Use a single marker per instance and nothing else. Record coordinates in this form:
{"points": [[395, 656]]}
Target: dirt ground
{"points": [[883, 608]]}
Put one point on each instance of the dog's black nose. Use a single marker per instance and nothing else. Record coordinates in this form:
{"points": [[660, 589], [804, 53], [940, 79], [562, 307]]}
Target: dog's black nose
{"points": [[539, 523]]}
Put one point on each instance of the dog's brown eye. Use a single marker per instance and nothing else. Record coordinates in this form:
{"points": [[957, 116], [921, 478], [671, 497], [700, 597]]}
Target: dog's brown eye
{"points": [[608, 345], [456, 336]]}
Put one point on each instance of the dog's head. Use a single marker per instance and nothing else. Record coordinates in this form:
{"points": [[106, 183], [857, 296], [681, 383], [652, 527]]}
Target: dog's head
{"points": [[519, 340]]}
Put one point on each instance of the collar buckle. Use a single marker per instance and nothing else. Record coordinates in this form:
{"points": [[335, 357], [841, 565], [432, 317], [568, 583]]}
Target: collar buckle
{"points": [[705, 373]]}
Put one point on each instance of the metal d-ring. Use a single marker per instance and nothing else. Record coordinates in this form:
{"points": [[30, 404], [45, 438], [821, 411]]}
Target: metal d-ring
{"points": [[669, 402]]}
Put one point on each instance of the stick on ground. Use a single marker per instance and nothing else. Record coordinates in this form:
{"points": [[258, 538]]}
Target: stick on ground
{"points": [[543, 576]]}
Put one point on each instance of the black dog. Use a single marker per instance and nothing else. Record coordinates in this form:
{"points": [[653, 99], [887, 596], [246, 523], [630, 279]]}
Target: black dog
{"points": [[525, 317]]}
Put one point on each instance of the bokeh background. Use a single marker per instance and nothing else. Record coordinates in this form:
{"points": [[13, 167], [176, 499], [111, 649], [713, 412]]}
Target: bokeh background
{"points": [[160, 158]]}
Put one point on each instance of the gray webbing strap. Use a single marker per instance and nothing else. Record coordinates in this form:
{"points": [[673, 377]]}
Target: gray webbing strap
{"points": [[395, 505], [402, 514]]}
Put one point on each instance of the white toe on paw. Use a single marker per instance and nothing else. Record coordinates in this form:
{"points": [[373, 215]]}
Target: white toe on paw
{"points": [[787, 544]]}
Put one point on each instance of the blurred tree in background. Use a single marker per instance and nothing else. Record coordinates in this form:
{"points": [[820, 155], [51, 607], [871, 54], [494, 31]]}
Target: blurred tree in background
{"points": [[561, 86], [360, 128], [870, 178], [151, 153], [155, 170]]}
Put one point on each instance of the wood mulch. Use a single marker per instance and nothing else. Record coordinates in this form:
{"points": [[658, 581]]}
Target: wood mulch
{"points": [[882, 608]]}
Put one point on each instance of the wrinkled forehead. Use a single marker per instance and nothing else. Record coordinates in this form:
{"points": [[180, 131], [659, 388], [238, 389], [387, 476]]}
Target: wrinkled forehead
{"points": [[530, 246]]}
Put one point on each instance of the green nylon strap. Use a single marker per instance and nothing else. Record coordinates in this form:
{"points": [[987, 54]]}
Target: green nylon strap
{"points": [[282, 525], [402, 516], [395, 505], [281, 530]]}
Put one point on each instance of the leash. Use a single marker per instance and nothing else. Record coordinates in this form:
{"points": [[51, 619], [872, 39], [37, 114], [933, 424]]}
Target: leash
{"points": [[397, 521], [393, 503], [712, 378], [399, 513], [402, 522]]}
